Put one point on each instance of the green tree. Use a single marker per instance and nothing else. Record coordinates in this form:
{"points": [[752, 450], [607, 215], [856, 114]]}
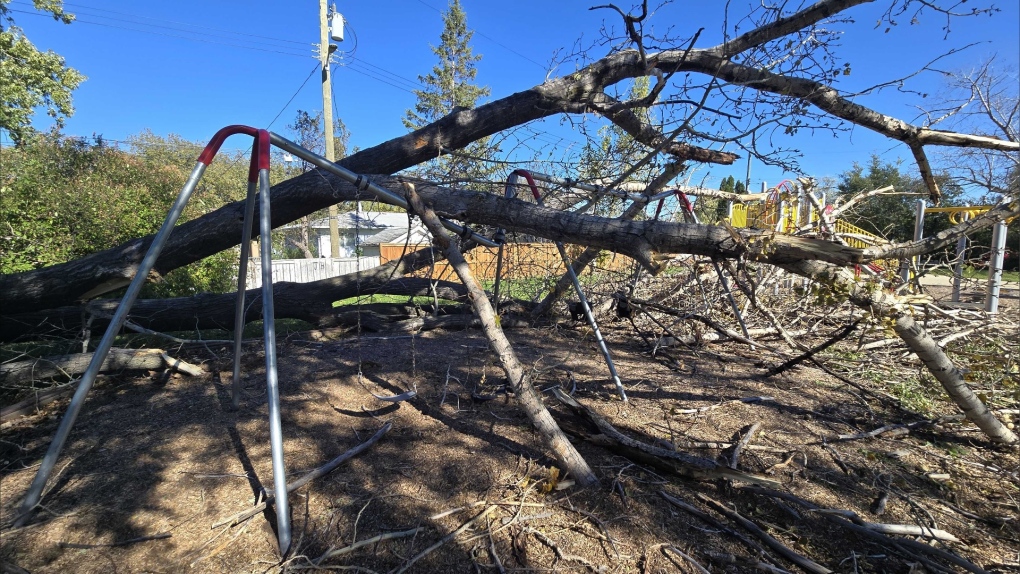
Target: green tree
{"points": [[63, 198], [308, 133], [451, 87], [892, 216], [299, 240], [29, 78], [615, 152]]}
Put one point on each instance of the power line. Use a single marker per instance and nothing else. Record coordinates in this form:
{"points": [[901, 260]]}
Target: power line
{"points": [[301, 87], [153, 32], [187, 28], [73, 5], [374, 72], [376, 78], [416, 84]]}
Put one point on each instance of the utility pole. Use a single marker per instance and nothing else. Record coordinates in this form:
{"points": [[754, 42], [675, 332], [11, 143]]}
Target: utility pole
{"points": [[325, 49]]}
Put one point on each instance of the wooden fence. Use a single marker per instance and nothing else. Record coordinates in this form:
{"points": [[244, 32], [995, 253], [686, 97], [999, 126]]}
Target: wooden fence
{"points": [[520, 260], [307, 270]]}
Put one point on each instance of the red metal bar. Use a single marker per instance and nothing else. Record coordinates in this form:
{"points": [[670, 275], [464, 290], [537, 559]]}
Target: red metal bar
{"points": [[686, 203], [213, 147], [531, 182], [658, 210]]}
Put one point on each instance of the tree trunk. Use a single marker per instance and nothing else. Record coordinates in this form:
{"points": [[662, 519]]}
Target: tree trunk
{"points": [[311, 302], [885, 305], [69, 365], [943, 369], [516, 375], [644, 241]]}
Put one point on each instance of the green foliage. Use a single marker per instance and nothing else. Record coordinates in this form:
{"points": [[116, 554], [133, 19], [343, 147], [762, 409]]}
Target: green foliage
{"points": [[30, 78], [63, 198], [892, 216], [307, 132], [615, 152], [448, 88]]}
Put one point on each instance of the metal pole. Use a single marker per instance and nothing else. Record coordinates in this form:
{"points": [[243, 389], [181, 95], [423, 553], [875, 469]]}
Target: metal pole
{"points": [[89, 377], [995, 267], [961, 248], [242, 285], [272, 384], [499, 237], [577, 285], [362, 183], [327, 118], [918, 234], [591, 320]]}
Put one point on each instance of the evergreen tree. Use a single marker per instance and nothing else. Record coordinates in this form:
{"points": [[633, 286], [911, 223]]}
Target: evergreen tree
{"points": [[892, 216], [449, 88], [739, 187]]}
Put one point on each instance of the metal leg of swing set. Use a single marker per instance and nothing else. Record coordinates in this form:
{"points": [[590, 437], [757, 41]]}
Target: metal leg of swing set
{"points": [[34, 494], [591, 321], [511, 192]]}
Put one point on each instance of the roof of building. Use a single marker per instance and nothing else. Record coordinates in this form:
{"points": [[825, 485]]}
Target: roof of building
{"points": [[390, 235], [368, 220]]}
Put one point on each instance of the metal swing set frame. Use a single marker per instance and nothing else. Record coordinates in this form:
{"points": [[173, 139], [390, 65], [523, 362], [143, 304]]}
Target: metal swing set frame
{"points": [[258, 180], [259, 189]]}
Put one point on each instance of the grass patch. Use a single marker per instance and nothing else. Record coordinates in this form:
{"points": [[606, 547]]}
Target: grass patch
{"points": [[971, 272], [914, 395], [394, 299]]}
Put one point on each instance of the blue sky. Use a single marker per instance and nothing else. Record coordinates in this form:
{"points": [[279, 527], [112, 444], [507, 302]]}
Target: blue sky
{"points": [[190, 67]]}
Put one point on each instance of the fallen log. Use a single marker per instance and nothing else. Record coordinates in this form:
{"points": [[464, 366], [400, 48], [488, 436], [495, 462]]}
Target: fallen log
{"points": [[67, 366], [70, 365], [679, 463], [311, 302], [519, 379]]}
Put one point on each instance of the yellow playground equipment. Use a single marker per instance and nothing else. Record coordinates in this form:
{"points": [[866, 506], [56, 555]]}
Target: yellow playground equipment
{"points": [[786, 208]]}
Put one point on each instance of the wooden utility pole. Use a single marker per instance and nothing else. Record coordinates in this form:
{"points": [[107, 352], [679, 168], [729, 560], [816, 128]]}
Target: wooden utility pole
{"points": [[327, 118]]}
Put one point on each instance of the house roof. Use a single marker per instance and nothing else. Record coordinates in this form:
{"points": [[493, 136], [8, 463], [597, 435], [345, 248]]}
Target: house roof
{"points": [[395, 235], [368, 220]]}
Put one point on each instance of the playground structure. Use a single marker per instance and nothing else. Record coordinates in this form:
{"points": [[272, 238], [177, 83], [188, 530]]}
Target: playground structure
{"points": [[788, 208], [959, 215], [258, 179]]}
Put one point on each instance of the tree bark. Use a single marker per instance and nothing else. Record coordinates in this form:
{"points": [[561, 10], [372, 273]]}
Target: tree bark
{"points": [[70, 365], [943, 369], [516, 375], [311, 302], [644, 241], [886, 305], [574, 93]]}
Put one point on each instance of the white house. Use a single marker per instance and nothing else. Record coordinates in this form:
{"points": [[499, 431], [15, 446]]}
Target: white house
{"points": [[361, 232]]}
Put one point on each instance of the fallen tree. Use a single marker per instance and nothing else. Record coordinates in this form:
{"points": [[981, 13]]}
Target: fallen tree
{"points": [[795, 86], [803, 93]]}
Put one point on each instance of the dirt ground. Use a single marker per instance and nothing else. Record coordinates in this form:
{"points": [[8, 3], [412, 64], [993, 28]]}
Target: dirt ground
{"points": [[152, 464]]}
